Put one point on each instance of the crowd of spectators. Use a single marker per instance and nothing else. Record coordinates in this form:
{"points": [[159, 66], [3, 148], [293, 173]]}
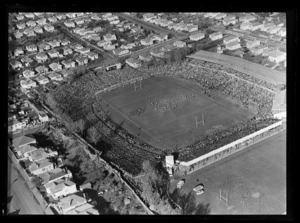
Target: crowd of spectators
{"points": [[223, 137]]}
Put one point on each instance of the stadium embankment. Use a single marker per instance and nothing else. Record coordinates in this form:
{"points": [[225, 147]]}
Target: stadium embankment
{"points": [[227, 150]]}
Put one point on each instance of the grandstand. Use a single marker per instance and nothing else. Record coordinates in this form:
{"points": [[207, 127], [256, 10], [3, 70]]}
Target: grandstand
{"points": [[244, 66], [279, 105]]}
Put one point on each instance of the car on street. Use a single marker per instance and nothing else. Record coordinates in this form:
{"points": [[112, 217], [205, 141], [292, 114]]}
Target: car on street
{"points": [[199, 189]]}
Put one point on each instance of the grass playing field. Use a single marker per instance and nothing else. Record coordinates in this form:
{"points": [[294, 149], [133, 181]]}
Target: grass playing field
{"points": [[257, 173], [168, 127]]}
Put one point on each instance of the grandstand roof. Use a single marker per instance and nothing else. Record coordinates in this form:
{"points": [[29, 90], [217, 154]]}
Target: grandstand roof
{"points": [[244, 66], [279, 102]]}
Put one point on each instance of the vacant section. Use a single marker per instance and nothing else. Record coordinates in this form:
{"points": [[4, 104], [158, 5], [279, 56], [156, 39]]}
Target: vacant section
{"points": [[164, 111]]}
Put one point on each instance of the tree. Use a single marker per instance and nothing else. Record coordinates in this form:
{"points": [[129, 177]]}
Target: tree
{"points": [[93, 135], [80, 125], [37, 181]]}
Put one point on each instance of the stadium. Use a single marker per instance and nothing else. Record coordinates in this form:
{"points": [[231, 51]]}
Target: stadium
{"points": [[199, 110]]}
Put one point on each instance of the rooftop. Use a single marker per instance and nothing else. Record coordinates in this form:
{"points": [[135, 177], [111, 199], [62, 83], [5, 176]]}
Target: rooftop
{"points": [[23, 140]]}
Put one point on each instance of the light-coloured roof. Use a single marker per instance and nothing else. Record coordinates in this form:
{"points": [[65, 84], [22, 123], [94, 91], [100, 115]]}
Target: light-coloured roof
{"points": [[71, 201], [23, 140], [276, 53], [279, 100]]}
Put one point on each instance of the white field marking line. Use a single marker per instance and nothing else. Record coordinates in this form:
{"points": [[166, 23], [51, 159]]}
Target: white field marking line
{"points": [[179, 117], [137, 124], [196, 65]]}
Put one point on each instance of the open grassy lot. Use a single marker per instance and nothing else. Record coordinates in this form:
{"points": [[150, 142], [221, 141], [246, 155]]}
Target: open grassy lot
{"points": [[256, 175], [165, 127]]}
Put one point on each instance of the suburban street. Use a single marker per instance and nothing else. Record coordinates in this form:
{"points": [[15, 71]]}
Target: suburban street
{"points": [[22, 198]]}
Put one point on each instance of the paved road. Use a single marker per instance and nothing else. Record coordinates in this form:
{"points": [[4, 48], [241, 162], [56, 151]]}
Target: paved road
{"points": [[22, 199]]}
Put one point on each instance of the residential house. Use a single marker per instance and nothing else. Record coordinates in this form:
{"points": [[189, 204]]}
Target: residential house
{"points": [[52, 19], [258, 49], [43, 117], [157, 53], [266, 26], [71, 202], [273, 29], [282, 32], [106, 15], [95, 17], [29, 15], [19, 17], [65, 73], [41, 57], [102, 43], [31, 48], [147, 41], [60, 188], [79, 14], [109, 37], [97, 29], [179, 44], [192, 28], [251, 44], [227, 21], [247, 18], [41, 21], [21, 25], [41, 70], [14, 125], [38, 29], [114, 22], [197, 36], [120, 52], [26, 60], [220, 16], [275, 37], [231, 39], [15, 64], [145, 57], [168, 47], [246, 26], [28, 73], [40, 167], [92, 55], [54, 43], [256, 26], [277, 56], [77, 47], [27, 83], [53, 53], [65, 42], [69, 24], [18, 34], [49, 28], [29, 32], [25, 152], [31, 23], [55, 76], [86, 209], [112, 17], [56, 174], [233, 45], [87, 185], [55, 66], [43, 47], [216, 36], [42, 80], [18, 52], [40, 154], [81, 60], [68, 63], [23, 140], [149, 16], [84, 50], [67, 51], [71, 15], [60, 16], [135, 63], [79, 21], [109, 47]]}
